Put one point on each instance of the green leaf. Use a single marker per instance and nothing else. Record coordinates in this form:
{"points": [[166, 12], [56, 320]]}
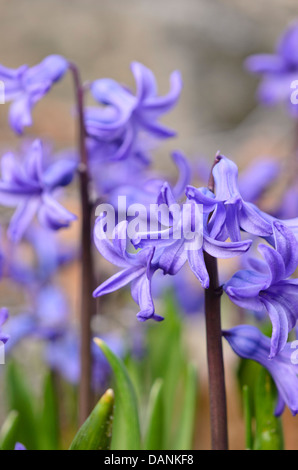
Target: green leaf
{"points": [[247, 418], [9, 431], [248, 373], [21, 400], [187, 420], [155, 427], [269, 435], [96, 432], [49, 419], [126, 409], [165, 341]]}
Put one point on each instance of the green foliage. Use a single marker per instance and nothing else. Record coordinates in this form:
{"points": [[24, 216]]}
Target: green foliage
{"points": [[155, 428], [9, 430], [269, 435], [125, 401], [186, 425], [49, 416], [168, 406], [21, 399], [263, 429], [96, 432]]}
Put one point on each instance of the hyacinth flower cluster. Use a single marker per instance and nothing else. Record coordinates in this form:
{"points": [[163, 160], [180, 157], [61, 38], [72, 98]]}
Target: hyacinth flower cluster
{"points": [[278, 71], [265, 287], [196, 227], [116, 138]]}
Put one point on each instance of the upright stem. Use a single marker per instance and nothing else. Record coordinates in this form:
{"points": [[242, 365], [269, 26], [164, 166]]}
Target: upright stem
{"points": [[87, 277], [217, 390]]}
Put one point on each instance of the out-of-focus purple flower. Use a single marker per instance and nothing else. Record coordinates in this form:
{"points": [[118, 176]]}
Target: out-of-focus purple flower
{"points": [[48, 320], [266, 287], [188, 294], [19, 446], [3, 318], [32, 187], [116, 126], [288, 208], [230, 213], [278, 70], [258, 177], [50, 254], [138, 184], [25, 86], [182, 241], [249, 343], [63, 356], [137, 268]]}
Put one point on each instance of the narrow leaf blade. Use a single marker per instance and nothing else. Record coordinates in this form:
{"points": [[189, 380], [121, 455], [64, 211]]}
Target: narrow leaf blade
{"points": [[126, 400], [96, 432]]}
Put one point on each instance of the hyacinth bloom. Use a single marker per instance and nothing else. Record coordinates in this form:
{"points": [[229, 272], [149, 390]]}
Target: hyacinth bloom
{"points": [[116, 125], [266, 287], [278, 70], [182, 241], [63, 356], [230, 213], [3, 318], [257, 178], [25, 86], [31, 186], [130, 178], [249, 343], [48, 319], [19, 446], [51, 254], [137, 268]]}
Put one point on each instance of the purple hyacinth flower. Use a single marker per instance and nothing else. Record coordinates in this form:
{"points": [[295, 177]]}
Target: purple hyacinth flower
{"points": [[257, 178], [51, 254], [117, 124], [266, 287], [25, 86], [185, 240], [249, 343], [230, 213], [3, 318], [31, 187], [137, 268], [48, 320], [278, 70], [19, 446], [63, 356]]}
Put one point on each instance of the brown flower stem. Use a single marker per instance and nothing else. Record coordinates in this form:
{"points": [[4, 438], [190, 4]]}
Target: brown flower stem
{"points": [[217, 389], [87, 276]]}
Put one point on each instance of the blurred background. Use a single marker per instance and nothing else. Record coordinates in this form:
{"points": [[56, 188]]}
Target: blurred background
{"points": [[207, 40]]}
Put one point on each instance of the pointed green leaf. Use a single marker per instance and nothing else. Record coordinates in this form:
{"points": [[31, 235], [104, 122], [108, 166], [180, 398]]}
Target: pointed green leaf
{"points": [[155, 428], [96, 432], [269, 435], [126, 401], [187, 420], [49, 419], [9, 431]]}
